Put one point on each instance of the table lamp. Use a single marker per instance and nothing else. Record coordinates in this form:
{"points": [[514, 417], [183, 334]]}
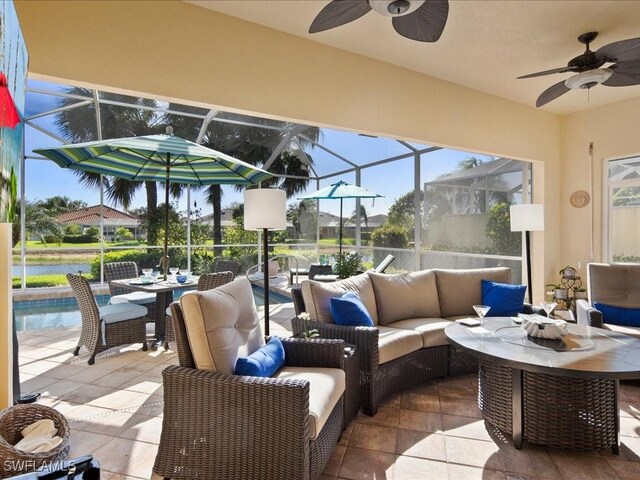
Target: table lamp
{"points": [[265, 209], [527, 217]]}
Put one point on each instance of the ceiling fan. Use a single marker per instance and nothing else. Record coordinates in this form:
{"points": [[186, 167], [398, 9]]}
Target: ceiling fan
{"points": [[421, 20], [624, 71]]}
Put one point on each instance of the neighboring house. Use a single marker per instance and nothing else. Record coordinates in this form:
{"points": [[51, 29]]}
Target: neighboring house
{"points": [[330, 225], [226, 220], [90, 217]]}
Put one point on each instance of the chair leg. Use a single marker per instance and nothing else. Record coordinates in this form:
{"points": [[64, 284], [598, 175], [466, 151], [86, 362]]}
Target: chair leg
{"points": [[166, 345], [76, 351], [92, 359], [144, 346]]}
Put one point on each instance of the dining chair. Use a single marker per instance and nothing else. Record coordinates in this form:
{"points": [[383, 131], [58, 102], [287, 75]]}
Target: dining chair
{"points": [[221, 265], [109, 326], [124, 270]]}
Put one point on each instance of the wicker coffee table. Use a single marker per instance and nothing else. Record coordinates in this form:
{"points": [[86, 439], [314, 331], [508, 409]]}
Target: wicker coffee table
{"points": [[558, 393]]}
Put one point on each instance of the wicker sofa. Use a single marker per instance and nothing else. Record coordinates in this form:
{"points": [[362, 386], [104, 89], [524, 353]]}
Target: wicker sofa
{"points": [[407, 346]]}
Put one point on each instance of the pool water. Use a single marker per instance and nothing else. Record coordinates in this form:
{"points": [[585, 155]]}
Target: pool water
{"points": [[64, 313]]}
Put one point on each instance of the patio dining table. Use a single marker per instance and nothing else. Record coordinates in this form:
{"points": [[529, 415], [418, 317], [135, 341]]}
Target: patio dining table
{"points": [[164, 296]]}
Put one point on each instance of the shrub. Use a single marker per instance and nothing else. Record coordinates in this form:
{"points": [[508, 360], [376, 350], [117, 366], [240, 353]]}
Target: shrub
{"points": [[72, 229], [80, 239], [388, 236], [93, 231]]}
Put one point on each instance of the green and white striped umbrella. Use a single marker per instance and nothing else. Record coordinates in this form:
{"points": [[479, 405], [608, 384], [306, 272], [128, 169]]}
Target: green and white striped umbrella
{"points": [[160, 158]]}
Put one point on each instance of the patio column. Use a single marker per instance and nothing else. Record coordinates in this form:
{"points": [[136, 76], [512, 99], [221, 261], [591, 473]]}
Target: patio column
{"points": [[358, 213], [6, 306], [417, 218]]}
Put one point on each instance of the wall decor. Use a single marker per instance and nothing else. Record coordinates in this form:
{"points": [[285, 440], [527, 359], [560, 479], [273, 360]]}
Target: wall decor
{"points": [[13, 83], [580, 199]]}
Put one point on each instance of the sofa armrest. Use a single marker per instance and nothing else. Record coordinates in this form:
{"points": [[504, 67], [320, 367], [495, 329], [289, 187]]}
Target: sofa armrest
{"points": [[204, 410], [365, 340], [298, 301], [587, 315], [316, 352]]}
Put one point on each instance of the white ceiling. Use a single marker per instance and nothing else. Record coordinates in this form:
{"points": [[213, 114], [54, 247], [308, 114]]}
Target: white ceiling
{"points": [[485, 45]]}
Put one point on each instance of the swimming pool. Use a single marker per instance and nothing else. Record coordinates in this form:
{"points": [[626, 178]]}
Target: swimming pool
{"points": [[64, 313]]}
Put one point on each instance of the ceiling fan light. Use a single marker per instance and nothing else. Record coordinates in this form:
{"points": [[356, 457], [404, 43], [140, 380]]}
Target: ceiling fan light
{"points": [[395, 8], [588, 79]]}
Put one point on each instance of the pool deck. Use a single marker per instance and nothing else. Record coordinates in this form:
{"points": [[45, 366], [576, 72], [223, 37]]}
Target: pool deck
{"points": [[433, 431]]}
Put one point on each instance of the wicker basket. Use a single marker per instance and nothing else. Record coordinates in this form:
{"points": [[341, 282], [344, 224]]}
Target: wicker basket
{"points": [[12, 421]]}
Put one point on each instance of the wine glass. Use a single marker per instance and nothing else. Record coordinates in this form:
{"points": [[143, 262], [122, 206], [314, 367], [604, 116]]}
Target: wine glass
{"points": [[146, 272], [154, 275], [548, 307], [481, 311], [174, 271]]}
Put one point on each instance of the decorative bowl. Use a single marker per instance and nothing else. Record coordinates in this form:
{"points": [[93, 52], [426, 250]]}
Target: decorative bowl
{"points": [[547, 328], [181, 278]]}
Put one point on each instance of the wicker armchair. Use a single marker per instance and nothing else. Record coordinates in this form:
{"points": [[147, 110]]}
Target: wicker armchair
{"points": [[221, 265], [124, 270], [207, 281], [219, 426], [109, 326]]}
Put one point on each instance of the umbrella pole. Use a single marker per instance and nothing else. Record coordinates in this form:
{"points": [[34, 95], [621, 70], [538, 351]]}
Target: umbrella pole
{"points": [[340, 249], [165, 258]]}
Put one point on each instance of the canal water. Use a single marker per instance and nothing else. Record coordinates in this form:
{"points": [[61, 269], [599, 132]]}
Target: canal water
{"points": [[52, 269]]}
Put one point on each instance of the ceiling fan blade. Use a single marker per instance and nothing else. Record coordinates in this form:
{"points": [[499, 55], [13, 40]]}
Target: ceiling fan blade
{"points": [[548, 72], [337, 13], [622, 51], [552, 93], [620, 79], [426, 23], [627, 67]]}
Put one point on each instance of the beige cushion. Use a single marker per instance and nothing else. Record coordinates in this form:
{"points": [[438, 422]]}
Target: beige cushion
{"points": [[617, 285], [326, 386], [222, 324], [459, 290], [405, 295], [431, 329], [316, 296], [396, 342], [632, 331]]}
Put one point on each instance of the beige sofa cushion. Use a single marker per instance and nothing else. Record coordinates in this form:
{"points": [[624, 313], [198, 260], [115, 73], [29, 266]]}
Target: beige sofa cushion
{"points": [[405, 295], [617, 285], [316, 296], [431, 329], [627, 330], [396, 342], [326, 386], [459, 290], [222, 325]]}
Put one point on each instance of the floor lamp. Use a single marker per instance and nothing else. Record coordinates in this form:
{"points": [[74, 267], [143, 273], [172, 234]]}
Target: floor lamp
{"points": [[265, 209], [527, 217]]}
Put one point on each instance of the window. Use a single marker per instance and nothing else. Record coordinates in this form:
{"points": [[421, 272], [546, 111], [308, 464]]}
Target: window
{"points": [[623, 210]]}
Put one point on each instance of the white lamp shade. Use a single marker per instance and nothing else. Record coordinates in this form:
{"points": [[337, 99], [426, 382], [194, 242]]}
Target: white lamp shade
{"points": [[265, 208], [527, 217]]}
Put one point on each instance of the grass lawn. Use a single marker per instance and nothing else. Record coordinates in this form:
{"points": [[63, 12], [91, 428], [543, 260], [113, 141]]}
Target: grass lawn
{"points": [[334, 241], [39, 244], [35, 281]]}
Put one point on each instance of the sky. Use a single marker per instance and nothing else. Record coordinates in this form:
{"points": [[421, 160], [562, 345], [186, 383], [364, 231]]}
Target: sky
{"points": [[45, 179]]}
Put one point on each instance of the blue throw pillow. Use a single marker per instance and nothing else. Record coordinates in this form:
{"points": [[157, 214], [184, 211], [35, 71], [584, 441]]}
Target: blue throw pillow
{"points": [[349, 310], [264, 362], [504, 299], [629, 317]]}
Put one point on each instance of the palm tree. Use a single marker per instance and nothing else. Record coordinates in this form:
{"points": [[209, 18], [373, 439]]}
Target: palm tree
{"points": [[79, 125], [250, 144], [363, 215]]}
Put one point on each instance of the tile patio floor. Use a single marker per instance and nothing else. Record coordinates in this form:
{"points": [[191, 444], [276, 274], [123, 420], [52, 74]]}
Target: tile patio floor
{"points": [[433, 431]]}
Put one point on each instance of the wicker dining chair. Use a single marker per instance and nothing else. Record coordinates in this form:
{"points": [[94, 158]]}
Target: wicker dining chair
{"points": [[241, 427], [124, 270], [207, 281], [221, 265], [108, 326]]}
